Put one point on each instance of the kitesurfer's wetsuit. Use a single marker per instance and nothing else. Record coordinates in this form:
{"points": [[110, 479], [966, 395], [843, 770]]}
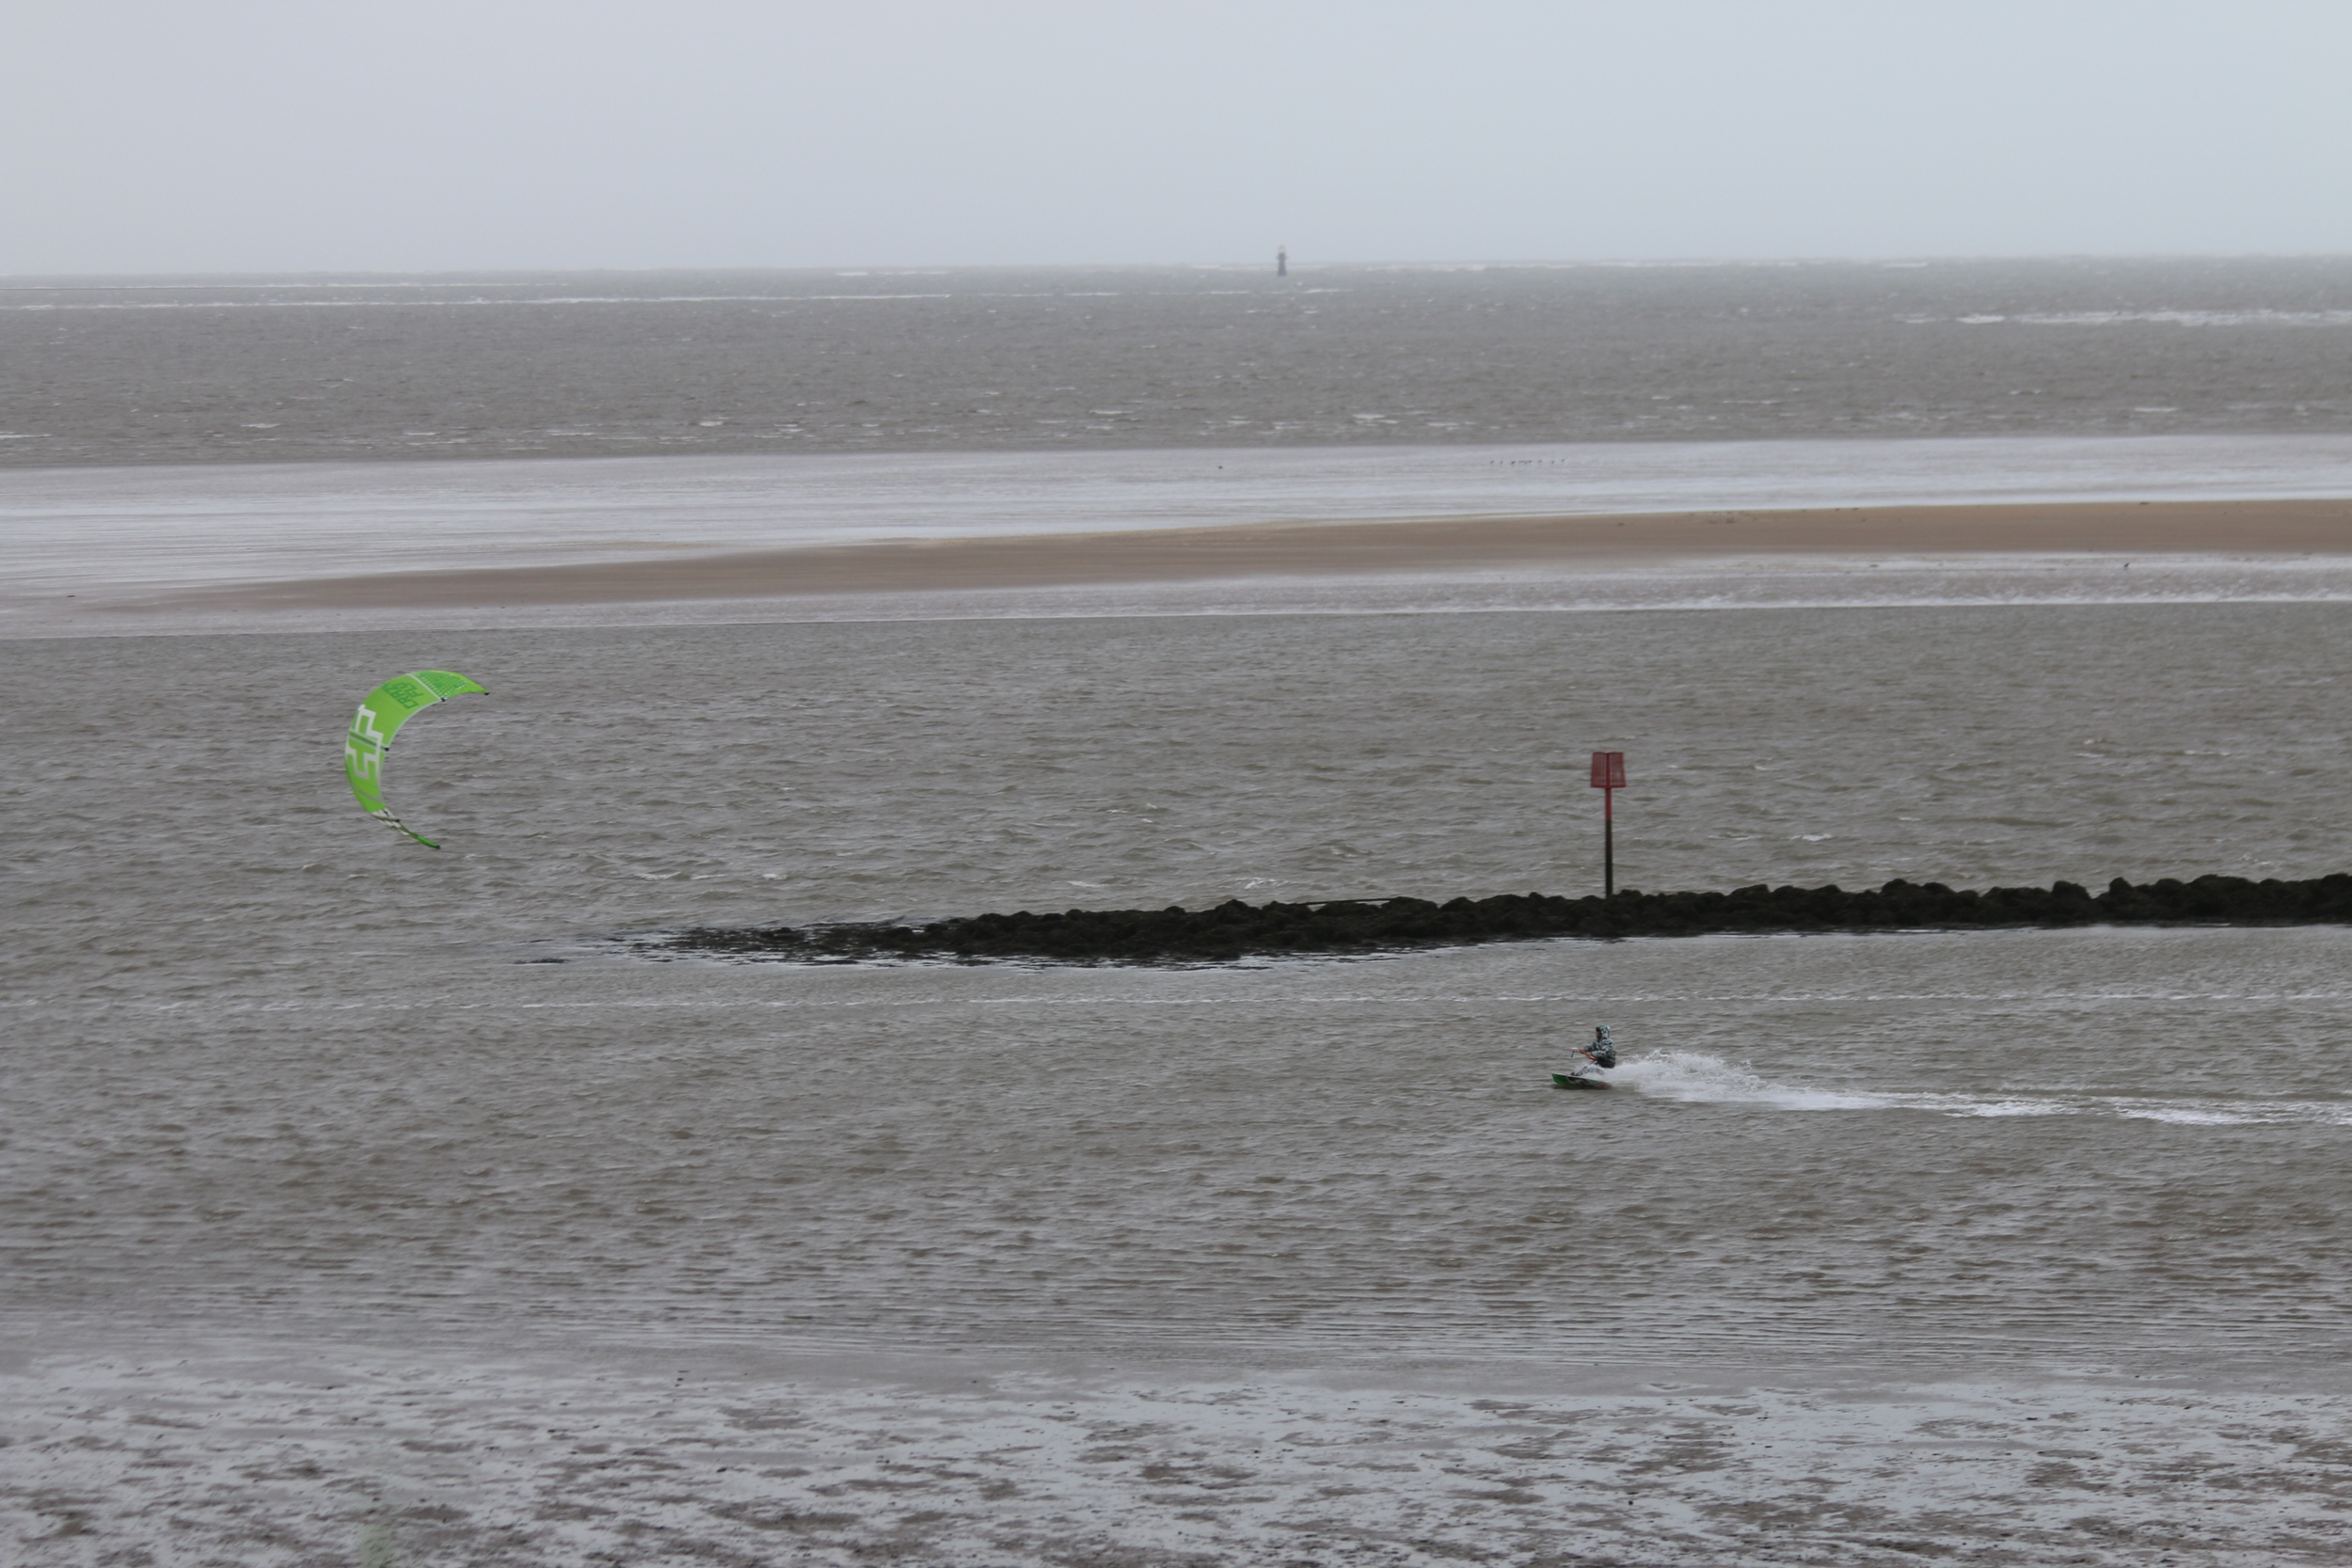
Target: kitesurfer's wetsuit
{"points": [[1602, 1052]]}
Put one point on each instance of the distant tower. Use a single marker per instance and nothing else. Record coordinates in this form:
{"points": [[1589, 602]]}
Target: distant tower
{"points": [[1281, 262]]}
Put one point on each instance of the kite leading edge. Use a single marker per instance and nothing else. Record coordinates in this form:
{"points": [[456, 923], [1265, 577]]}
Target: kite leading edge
{"points": [[380, 716]]}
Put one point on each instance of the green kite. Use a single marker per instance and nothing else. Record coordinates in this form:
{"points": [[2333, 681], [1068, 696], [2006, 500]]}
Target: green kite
{"points": [[380, 716]]}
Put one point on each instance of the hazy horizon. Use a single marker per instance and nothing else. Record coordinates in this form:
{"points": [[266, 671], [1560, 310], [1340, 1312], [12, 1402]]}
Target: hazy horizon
{"points": [[1297, 264], [265, 138]]}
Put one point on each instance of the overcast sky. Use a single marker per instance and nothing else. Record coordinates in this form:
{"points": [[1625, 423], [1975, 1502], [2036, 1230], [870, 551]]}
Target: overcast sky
{"points": [[160, 135]]}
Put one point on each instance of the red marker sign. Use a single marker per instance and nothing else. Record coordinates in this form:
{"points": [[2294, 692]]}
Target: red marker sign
{"points": [[1608, 777]]}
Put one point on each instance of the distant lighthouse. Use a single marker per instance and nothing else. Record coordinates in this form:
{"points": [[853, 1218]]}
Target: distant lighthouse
{"points": [[1281, 262]]}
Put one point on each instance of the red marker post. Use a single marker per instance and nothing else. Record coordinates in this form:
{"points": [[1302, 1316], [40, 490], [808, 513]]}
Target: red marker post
{"points": [[1608, 777]]}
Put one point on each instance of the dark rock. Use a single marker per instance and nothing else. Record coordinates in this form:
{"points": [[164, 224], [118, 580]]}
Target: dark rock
{"points": [[1235, 930]]}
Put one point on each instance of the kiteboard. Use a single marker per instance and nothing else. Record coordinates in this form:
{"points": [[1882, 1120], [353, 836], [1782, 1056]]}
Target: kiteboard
{"points": [[1570, 1080]]}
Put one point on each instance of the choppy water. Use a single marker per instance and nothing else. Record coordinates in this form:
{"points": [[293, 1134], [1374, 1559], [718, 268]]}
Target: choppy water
{"points": [[338, 1223], [268, 1057], [341, 1225], [178, 369]]}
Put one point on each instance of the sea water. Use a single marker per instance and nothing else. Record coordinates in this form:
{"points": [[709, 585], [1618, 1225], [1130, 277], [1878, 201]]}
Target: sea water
{"points": [[368, 1203], [247, 370], [315, 1115]]}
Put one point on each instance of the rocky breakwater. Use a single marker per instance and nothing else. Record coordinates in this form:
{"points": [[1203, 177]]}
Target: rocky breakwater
{"points": [[1237, 930]]}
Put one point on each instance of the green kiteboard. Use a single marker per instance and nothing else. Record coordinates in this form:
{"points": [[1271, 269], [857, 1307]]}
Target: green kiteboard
{"points": [[1570, 1080], [380, 716]]}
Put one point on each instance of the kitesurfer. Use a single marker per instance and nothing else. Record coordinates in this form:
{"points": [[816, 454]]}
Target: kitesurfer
{"points": [[1601, 1052]]}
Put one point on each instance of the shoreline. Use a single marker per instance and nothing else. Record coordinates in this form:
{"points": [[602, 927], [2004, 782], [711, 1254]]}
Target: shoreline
{"points": [[1538, 544]]}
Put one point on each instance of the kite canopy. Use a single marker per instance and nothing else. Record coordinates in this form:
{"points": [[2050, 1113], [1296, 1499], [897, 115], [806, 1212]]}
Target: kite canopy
{"points": [[380, 716]]}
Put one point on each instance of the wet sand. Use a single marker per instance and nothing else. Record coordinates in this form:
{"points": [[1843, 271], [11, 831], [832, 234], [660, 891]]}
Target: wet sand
{"points": [[1347, 549]]}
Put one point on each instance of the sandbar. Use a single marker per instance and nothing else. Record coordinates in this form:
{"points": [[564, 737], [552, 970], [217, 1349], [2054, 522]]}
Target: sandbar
{"points": [[1419, 545]]}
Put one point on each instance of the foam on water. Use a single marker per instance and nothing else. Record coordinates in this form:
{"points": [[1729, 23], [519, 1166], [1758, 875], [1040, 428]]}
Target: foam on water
{"points": [[2190, 318], [1697, 1077], [2252, 1113]]}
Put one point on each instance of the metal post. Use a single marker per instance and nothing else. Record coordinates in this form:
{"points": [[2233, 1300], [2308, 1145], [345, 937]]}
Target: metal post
{"points": [[1608, 843], [1608, 777]]}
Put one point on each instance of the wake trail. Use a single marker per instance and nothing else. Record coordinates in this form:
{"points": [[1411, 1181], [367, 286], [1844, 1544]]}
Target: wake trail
{"points": [[1695, 1077]]}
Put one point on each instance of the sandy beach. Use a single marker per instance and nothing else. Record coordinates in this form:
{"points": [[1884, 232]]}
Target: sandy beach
{"points": [[2270, 526]]}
